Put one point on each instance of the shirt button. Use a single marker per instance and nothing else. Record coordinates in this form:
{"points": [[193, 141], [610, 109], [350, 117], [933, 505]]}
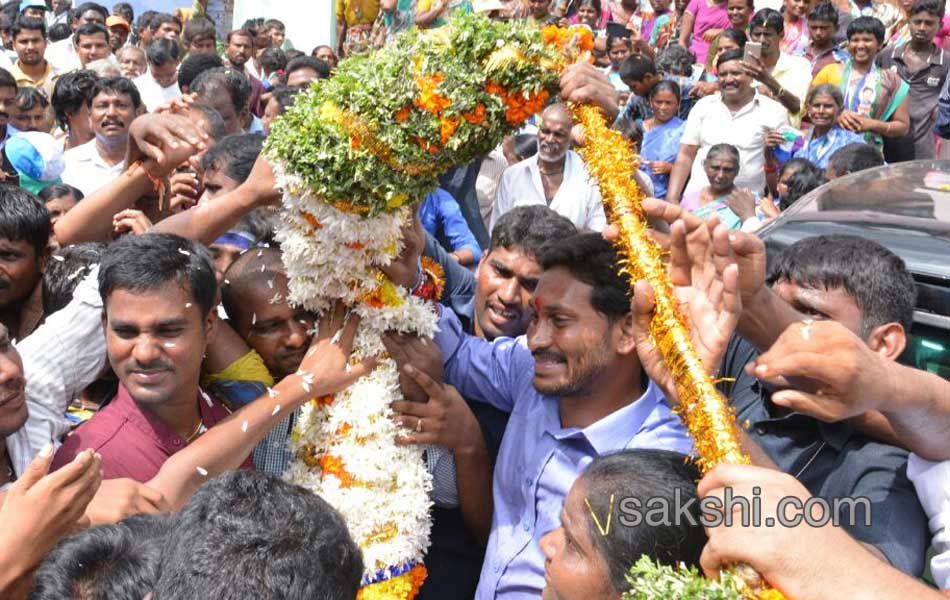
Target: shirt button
{"points": [[528, 482], [760, 430], [177, 442], [497, 567]]}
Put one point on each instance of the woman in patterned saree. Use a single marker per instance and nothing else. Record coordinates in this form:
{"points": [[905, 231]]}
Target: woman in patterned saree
{"points": [[875, 100]]}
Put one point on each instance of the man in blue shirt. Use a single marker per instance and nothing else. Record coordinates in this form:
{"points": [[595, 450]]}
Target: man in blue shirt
{"points": [[575, 389]]}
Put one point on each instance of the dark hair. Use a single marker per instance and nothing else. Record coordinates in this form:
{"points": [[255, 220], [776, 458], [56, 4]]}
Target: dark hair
{"points": [[825, 12], [285, 96], [253, 25], [218, 128], [768, 18], [825, 89], [592, 259], [794, 164], [119, 560], [645, 475], [61, 277], [665, 85], [273, 59], [872, 275], [728, 149], [636, 67], [149, 261], [59, 31], [124, 10], [871, 25], [23, 218], [313, 52], [728, 55], [320, 67], [234, 155], [87, 6], [145, 19], [159, 19], [242, 32], [854, 157], [802, 181], [227, 80], [675, 60], [630, 129], [529, 229], [931, 7], [89, 30], [115, 86], [70, 92], [195, 65], [613, 38], [275, 24], [594, 3], [27, 24], [240, 517], [736, 35], [162, 51], [7, 79], [293, 53], [198, 28], [28, 98], [524, 145], [58, 190]]}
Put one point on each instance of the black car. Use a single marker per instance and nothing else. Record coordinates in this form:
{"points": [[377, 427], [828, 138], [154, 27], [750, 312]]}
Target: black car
{"points": [[906, 208]]}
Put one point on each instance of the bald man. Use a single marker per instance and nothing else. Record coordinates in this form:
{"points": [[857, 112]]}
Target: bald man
{"points": [[555, 177]]}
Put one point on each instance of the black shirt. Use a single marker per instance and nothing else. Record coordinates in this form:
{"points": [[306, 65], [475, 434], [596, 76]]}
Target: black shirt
{"points": [[833, 461]]}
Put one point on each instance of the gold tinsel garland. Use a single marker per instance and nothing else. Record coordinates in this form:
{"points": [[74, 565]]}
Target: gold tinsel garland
{"points": [[712, 423]]}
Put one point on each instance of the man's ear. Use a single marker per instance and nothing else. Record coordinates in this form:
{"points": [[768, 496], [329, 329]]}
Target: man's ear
{"points": [[889, 340], [625, 339]]}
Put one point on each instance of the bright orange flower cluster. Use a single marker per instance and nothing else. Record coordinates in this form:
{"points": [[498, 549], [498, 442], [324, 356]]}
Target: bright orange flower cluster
{"points": [[561, 37], [519, 107], [429, 98], [312, 220], [447, 126], [476, 116], [333, 465], [402, 114]]}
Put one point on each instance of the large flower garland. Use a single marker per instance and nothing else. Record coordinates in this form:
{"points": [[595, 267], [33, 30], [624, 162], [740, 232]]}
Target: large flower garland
{"points": [[354, 155]]}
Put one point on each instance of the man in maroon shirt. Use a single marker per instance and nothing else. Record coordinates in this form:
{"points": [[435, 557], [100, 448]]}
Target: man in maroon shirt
{"points": [[158, 291]]}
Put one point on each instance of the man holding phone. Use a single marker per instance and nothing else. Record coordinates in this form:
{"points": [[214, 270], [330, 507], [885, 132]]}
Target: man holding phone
{"points": [[780, 76]]}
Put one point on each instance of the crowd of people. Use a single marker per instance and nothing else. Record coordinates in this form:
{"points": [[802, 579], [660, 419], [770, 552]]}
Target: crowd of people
{"points": [[151, 368]]}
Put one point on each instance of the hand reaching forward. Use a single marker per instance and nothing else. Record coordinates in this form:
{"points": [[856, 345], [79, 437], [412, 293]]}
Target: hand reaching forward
{"points": [[709, 300], [42, 507], [168, 140]]}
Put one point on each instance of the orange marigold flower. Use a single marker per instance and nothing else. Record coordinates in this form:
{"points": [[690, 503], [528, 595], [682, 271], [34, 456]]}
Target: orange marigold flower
{"points": [[447, 127], [354, 245], [429, 98], [355, 143], [476, 116], [343, 429], [312, 220], [402, 114], [333, 465]]}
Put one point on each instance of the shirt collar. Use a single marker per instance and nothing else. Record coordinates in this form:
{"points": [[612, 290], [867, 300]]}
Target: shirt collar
{"points": [[152, 425], [614, 431], [935, 58]]}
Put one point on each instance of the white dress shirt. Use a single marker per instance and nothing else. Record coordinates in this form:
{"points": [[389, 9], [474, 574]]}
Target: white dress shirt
{"points": [[578, 198], [932, 482], [153, 95], [711, 122], [86, 169], [60, 358], [62, 55]]}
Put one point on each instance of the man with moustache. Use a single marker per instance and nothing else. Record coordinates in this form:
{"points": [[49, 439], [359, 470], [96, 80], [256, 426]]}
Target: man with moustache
{"points": [[113, 104], [737, 115], [8, 89], [556, 177], [31, 67], [158, 293]]}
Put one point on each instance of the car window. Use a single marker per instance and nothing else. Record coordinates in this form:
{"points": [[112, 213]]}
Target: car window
{"points": [[928, 348]]}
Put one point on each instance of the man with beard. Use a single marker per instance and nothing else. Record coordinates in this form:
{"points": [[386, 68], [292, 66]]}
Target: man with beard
{"points": [[239, 50], [158, 293], [556, 177], [113, 103], [739, 115], [575, 388], [31, 67]]}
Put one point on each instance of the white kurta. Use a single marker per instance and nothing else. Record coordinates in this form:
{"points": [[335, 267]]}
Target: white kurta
{"points": [[578, 198]]}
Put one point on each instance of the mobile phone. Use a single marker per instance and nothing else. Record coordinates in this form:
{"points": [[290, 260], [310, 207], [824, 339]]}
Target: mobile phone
{"points": [[752, 49]]}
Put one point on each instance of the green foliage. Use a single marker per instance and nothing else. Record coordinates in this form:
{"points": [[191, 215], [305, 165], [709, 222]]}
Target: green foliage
{"points": [[652, 581], [363, 139]]}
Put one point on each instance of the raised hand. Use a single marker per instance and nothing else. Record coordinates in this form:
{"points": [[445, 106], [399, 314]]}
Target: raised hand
{"points": [[404, 269], [40, 508], [121, 498], [131, 221], [707, 289], [168, 140], [325, 368], [584, 83], [422, 355]]}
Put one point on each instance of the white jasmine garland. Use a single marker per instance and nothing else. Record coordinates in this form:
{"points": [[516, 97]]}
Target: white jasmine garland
{"points": [[331, 255]]}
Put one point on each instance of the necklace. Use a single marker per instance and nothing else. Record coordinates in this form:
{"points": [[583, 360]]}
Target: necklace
{"points": [[198, 431]]}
